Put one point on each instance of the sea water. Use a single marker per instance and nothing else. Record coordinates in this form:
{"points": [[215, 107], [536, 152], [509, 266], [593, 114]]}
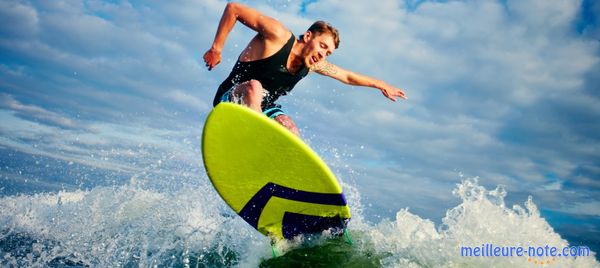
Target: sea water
{"points": [[165, 213], [135, 225]]}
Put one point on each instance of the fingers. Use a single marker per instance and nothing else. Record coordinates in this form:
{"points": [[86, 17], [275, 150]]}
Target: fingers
{"points": [[391, 94], [210, 63], [206, 58], [387, 95], [402, 95], [211, 59]]}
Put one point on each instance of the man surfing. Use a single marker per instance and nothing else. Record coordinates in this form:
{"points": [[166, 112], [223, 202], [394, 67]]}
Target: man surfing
{"points": [[274, 61]]}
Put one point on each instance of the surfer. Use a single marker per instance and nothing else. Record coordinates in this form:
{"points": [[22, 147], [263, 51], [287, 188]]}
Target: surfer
{"points": [[275, 60]]}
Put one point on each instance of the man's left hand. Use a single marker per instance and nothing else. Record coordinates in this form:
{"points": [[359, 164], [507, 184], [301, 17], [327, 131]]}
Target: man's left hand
{"points": [[391, 92]]}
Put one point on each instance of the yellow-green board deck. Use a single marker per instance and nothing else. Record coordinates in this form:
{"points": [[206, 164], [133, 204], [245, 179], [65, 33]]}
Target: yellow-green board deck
{"points": [[269, 176]]}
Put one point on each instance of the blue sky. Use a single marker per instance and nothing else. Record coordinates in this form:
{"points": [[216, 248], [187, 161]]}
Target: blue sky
{"points": [[503, 90]]}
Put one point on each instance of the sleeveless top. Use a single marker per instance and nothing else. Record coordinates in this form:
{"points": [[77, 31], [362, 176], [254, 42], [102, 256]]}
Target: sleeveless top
{"points": [[271, 72]]}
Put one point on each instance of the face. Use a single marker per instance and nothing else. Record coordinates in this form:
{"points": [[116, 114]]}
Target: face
{"points": [[318, 47]]}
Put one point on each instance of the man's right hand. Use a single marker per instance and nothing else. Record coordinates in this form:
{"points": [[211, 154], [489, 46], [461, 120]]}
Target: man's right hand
{"points": [[212, 57]]}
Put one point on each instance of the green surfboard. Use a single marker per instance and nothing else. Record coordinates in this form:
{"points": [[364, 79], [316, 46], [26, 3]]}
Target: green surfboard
{"points": [[269, 176]]}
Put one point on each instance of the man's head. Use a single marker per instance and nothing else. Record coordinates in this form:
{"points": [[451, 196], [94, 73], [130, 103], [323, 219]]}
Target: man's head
{"points": [[320, 40]]}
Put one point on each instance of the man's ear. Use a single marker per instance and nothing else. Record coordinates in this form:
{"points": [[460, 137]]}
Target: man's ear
{"points": [[306, 36]]}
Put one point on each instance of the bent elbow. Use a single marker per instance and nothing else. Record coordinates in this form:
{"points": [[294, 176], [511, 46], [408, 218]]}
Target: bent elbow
{"points": [[232, 8]]}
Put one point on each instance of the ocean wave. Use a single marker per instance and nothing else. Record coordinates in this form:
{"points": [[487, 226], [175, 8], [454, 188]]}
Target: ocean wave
{"points": [[136, 226]]}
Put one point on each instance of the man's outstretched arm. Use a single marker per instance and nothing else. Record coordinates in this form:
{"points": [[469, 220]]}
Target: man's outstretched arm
{"points": [[352, 78], [267, 27]]}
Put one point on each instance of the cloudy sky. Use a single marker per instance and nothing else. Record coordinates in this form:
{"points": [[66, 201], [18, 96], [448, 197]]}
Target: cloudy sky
{"points": [[506, 91]]}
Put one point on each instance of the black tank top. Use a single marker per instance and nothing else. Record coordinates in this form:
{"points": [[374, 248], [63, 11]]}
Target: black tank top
{"points": [[271, 72]]}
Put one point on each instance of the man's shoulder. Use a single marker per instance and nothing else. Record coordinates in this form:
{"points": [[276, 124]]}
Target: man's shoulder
{"points": [[281, 35]]}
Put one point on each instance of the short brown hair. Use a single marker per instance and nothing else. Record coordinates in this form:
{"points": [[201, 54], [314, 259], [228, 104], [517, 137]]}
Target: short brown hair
{"points": [[320, 27]]}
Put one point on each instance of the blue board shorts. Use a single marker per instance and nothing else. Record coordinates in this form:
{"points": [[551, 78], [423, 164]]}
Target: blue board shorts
{"points": [[271, 111]]}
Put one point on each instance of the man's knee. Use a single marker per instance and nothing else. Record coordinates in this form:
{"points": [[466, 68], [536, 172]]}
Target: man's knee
{"points": [[254, 88], [248, 88]]}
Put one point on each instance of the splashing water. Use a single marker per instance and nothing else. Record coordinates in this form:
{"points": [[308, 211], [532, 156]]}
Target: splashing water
{"points": [[122, 226], [480, 219], [132, 226]]}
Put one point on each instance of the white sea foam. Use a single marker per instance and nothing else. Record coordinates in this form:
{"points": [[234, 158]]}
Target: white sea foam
{"points": [[126, 225], [130, 225], [481, 219]]}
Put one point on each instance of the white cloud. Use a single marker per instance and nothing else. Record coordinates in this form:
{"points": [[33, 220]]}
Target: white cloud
{"points": [[37, 113], [17, 19], [133, 148], [539, 16], [553, 186], [584, 208], [188, 100]]}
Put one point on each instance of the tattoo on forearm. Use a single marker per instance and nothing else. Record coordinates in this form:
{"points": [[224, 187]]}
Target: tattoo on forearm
{"points": [[326, 68]]}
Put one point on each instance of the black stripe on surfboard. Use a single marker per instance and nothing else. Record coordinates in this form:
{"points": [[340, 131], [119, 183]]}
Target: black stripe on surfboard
{"points": [[252, 210]]}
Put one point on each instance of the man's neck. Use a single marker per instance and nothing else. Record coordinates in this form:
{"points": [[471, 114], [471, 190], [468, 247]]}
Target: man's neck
{"points": [[295, 60]]}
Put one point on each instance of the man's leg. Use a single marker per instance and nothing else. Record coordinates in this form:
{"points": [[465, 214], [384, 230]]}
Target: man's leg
{"points": [[249, 93], [287, 122]]}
